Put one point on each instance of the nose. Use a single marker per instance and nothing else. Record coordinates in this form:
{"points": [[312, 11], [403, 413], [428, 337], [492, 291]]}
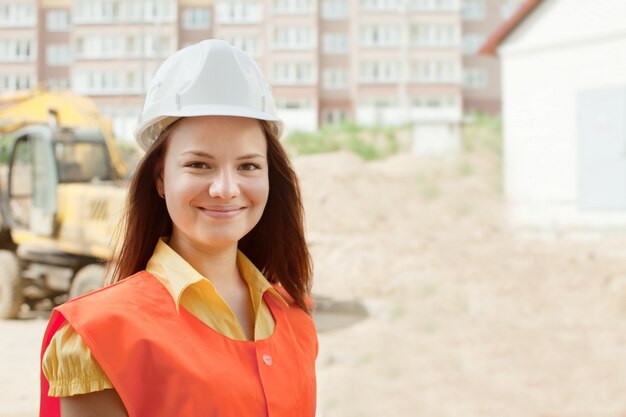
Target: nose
{"points": [[224, 185]]}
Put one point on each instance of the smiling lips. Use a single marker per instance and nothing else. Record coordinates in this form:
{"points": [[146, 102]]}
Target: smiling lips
{"points": [[222, 212]]}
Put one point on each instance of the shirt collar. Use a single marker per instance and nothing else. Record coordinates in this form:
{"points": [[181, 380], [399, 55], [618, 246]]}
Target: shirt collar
{"points": [[176, 274]]}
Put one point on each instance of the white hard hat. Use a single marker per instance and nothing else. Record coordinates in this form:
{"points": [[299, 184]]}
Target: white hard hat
{"points": [[210, 78]]}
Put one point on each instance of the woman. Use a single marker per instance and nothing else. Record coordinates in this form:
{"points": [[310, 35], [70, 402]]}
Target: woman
{"points": [[208, 311]]}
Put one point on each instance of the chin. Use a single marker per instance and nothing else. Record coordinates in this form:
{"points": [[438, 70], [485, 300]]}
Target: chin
{"points": [[223, 236], [220, 241]]}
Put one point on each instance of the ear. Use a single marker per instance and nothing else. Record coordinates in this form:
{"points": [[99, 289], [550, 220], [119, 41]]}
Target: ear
{"points": [[158, 178], [159, 186]]}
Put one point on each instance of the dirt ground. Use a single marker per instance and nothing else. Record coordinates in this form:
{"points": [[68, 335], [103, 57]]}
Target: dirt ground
{"points": [[445, 310]]}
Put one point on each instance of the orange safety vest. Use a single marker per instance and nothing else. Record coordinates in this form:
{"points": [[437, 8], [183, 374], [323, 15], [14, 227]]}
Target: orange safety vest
{"points": [[164, 363]]}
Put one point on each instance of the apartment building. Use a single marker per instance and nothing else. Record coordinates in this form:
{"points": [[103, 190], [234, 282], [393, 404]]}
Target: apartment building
{"points": [[329, 61], [18, 44], [407, 65], [53, 43], [116, 47], [282, 37], [107, 49], [481, 74], [336, 85], [195, 21], [292, 60]]}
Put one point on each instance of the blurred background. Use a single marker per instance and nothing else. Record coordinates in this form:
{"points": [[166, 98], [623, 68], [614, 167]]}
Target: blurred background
{"points": [[463, 165]]}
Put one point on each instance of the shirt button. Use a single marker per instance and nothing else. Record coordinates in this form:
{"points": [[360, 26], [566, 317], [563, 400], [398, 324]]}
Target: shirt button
{"points": [[267, 359]]}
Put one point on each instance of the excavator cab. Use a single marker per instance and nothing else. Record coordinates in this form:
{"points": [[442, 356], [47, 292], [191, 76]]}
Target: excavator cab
{"points": [[39, 160], [29, 200], [81, 157]]}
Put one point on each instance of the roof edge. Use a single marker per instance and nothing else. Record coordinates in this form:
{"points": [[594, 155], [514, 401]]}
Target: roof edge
{"points": [[503, 31]]}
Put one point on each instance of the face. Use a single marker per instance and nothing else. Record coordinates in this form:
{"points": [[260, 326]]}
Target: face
{"points": [[215, 180]]}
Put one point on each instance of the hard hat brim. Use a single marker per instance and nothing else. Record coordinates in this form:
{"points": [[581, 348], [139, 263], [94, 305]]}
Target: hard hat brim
{"points": [[149, 129]]}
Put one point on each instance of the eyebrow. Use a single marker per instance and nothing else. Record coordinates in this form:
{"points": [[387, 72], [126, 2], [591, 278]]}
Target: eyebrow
{"points": [[209, 156]]}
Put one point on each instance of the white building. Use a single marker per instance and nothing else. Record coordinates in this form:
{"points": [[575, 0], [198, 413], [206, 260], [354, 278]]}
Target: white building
{"points": [[564, 112]]}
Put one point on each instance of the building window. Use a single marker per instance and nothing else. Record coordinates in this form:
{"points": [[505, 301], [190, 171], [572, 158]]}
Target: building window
{"points": [[197, 19], [434, 35], [335, 79], [57, 83], [380, 36], [380, 102], [132, 81], [381, 5], [294, 37], [239, 12], [58, 54], [118, 46], [249, 44], [335, 43], [17, 50], [18, 15], [132, 10], [293, 6], [157, 10], [110, 11], [108, 82], [435, 102], [435, 5], [474, 10], [435, 72], [158, 46], [15, 82], [58, 20], [294, 73], [294, 104], [379, 72], [94, 11], [124, 120], [335, 116], [133, 46], [334, 9], [99, 47], [475, 78], [472, 43]]}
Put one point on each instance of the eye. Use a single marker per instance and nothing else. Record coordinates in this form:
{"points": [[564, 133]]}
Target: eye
{"points": [[197, 165], [249, 166]]}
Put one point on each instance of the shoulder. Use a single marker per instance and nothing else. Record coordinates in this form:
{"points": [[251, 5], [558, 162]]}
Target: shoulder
{"points": [[137, 282], [308, 300], [138, 291], [283, 293], [118, 312]]}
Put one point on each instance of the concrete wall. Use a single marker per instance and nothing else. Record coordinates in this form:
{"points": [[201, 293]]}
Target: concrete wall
{"points": [[564, 47]]}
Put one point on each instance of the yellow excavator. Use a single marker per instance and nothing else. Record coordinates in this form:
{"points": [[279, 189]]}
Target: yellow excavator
{"points": [[62, 190]]}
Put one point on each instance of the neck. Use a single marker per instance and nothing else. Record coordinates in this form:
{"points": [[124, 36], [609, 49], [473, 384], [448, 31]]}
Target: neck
{"points": [[218, 264]]}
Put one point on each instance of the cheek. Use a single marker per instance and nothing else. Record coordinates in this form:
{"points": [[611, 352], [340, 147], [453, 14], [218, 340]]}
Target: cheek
{"points": [[168, 178], [181, 185], [257, 191]]}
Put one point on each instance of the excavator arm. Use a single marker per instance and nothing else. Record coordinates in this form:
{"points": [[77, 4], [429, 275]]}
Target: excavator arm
{"points": [[62, 109]]}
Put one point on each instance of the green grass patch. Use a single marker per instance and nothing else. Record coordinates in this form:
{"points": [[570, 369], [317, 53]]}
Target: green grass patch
{"points": [[484, 133], [370, 143]]}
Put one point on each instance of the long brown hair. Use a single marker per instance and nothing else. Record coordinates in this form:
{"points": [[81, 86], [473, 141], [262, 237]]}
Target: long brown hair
{"points": [[276, 245]]}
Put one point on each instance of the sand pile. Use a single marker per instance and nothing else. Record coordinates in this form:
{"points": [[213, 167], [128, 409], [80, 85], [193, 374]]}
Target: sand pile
{"points": [[466, 319]]}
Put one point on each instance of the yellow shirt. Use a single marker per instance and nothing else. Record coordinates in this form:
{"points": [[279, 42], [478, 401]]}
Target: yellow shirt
{"points": [[69, 366]]}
